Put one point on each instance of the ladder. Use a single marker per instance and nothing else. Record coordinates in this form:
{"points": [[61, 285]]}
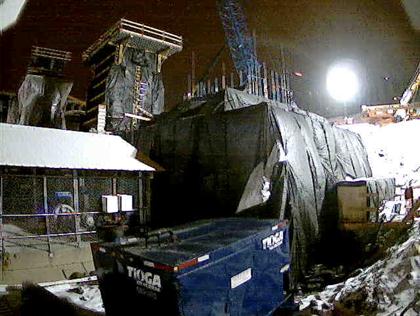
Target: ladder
{"points": [[140, 90]]}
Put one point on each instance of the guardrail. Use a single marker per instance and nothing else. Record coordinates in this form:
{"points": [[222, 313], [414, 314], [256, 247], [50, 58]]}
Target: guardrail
{"points": [[138, 30]]}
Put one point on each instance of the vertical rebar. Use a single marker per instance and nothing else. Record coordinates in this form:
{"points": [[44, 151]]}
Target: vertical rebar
{"points": [[223, 76], [189, 89], [249, 83], [257, 79], [273, 87], [232, 80], [265, 81], [278, 87]]}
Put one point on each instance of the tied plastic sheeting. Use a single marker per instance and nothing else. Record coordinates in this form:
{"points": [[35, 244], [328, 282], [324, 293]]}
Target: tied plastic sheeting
{"points": [[266, 159], [42, 101], [119, 93]]}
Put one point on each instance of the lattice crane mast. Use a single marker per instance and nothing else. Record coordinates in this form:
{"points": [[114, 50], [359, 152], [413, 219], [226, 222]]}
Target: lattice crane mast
{"points": [[238, 37]]}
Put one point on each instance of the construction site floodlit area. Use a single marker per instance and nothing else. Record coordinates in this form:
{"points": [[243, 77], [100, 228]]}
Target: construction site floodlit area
{"points": [[211, 157]]}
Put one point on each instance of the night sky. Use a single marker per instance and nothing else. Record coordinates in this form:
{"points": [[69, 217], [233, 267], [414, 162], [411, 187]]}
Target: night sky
{"points": [[375, 35]]}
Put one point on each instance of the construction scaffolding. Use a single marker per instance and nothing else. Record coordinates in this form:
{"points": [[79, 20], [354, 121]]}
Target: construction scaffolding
{"points": [[126, 61]]}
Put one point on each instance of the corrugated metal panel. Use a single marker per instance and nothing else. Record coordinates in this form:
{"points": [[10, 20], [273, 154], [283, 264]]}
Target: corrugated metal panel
{"points": [[28, 146]]}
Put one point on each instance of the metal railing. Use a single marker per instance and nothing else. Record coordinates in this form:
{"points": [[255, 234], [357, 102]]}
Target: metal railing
{"points": [[172, 41], [51, 53]]}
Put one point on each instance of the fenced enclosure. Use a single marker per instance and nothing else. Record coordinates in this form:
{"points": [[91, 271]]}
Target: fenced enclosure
{"points": [[50, 212]]}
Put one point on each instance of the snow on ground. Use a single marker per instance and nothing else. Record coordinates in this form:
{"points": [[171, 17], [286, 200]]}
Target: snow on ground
{"points": [[393, 150], [388, 287], [86, 296]]}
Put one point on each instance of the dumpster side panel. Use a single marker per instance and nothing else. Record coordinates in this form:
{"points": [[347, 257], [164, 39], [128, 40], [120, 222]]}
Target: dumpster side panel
{"points": [[208, 290], [268, 275], [130, 288]]}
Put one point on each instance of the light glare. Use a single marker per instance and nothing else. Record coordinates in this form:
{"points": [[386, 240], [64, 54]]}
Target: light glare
{"points": [[342, 83]]}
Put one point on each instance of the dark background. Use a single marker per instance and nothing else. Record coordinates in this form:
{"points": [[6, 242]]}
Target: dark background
{"points": [[375, 34]]}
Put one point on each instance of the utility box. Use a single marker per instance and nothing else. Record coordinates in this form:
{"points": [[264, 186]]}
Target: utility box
{"points": [[234, 266], [109, 203], [125, 202]]}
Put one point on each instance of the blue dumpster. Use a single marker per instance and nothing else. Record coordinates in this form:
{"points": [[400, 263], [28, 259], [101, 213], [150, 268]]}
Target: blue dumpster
{"points": [[230, 266]]}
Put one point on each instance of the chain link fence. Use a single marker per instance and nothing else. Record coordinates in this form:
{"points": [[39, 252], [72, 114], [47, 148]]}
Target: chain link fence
{"points": [[47, 212]]}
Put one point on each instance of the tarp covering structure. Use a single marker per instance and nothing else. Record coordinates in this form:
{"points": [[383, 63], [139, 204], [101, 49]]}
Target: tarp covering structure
{"points": [[120, 90], [236, 153], [41, 102]]}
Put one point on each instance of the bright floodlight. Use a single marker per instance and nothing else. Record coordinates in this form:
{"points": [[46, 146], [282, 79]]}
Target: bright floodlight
{"points": [[342, 83]]}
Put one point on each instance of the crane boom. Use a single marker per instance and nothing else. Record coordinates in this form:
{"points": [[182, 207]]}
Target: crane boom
{"points": [[238, 37]]}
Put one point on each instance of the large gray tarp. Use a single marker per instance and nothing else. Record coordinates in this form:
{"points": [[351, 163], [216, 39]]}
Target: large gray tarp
{"points": [[42, 101], [240, 154], [119, 93]]}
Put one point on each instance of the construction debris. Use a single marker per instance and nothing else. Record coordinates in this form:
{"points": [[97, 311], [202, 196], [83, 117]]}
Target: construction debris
{"points": [[389, 287]]}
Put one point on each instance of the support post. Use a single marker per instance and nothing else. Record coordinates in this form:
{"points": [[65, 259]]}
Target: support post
{"points": [[141, 199], [47, 219], [76, 207], [114, 186], [1, 225], [147, 208], [193, 74], [232, 80]]}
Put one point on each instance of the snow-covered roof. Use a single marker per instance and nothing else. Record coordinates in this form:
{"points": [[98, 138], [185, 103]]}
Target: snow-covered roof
{"points": [[28, 146]]}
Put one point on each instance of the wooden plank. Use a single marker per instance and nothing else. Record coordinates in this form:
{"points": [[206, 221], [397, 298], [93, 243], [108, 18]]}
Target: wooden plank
{"points": [[97, 96]]}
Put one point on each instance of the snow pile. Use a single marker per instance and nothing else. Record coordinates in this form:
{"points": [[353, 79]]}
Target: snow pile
{"points": [[388, 287], [393, 150], [86, 296]]}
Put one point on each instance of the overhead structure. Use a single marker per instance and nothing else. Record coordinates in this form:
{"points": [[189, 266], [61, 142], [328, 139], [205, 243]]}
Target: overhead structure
{"points": [[48, 61], [126, 61]]}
